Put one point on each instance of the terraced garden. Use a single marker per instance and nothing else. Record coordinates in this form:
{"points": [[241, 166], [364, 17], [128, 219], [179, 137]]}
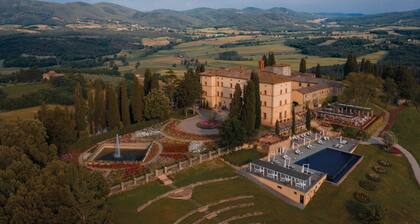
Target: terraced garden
{"points": [[213, 203]]}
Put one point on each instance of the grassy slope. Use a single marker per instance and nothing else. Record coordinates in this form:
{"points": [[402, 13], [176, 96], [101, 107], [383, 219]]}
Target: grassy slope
{"points": [[14, 91], [406, 127], [243, 157], [398, 193]]}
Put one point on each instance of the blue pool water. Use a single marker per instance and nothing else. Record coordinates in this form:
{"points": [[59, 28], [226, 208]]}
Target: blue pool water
{"points": [[332, 162]]}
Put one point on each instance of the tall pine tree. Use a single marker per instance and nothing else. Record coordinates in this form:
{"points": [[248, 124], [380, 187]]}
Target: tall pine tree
{"points": [[248, 109], [236, 103], [255, 78], [100, 120], [124, 105], [137, 100], [302, 65], [265, 60], [80, 110], [351, 65], [147, 81], [308, 118], [271, 59], [112, 113], [318, 71], [91, 106]]}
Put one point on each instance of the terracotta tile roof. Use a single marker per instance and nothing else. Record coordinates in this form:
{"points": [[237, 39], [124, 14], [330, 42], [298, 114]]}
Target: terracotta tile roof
{"points": [[314, 88], [240, 73]]}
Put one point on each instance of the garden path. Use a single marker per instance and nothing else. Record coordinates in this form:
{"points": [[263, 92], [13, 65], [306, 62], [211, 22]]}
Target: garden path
{"points": [[411, 160]]}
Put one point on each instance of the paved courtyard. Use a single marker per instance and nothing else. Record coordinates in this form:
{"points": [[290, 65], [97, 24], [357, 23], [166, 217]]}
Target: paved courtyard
{"points": [[189, 125]]}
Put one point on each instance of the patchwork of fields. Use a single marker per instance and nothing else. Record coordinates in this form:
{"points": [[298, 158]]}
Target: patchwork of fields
{"points": [[208, 50]]}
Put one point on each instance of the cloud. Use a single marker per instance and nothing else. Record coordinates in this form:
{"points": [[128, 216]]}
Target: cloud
{"points": [[364, 6]]}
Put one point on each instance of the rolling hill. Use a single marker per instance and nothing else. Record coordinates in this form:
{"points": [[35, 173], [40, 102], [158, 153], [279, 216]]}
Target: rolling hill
{"points": [[407, 18], [28, 12]]}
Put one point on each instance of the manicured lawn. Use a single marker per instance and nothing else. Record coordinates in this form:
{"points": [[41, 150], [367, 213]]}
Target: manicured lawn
{"points": [[398, 193], [407, 129], [124, 205], [210, 170], [14, 91], [242, 157]]}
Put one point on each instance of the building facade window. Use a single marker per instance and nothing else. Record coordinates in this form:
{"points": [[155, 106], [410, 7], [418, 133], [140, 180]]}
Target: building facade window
{"points": [[265, 103], [265, 92], [265, 116]]}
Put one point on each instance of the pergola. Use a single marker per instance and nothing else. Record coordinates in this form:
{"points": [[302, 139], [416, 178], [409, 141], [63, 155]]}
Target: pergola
{"points": [[351, 109], [280, 174]]}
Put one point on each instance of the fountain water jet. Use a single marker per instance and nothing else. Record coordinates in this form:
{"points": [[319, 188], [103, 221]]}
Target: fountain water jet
{"points": [[117, 154]]}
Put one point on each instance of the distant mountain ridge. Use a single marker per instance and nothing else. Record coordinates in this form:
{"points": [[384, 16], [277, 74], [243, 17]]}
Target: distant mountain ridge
{"points": [[29, 12]]}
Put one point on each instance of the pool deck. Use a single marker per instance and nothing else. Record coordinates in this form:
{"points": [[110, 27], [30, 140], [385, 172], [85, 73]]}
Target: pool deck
{"points": [[349, 147]]}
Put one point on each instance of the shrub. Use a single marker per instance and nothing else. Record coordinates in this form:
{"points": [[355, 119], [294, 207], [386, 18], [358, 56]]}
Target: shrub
{"points": [[373, 177], [373, 214], [379, 169], [361, 197], [367, 185], [384, 163]]}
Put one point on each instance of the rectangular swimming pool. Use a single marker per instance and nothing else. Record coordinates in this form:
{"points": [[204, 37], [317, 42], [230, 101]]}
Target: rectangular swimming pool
{"points": [[334, 163]]}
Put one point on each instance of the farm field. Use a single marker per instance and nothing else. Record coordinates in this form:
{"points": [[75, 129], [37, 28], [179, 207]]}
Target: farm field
{"points": [[395, 197], [17, 90], [207, 51], [407, 130], [26, 113]]}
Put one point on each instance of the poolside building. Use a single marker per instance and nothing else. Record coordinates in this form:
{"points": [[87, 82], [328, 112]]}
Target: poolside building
{"points": [[297, 186]]}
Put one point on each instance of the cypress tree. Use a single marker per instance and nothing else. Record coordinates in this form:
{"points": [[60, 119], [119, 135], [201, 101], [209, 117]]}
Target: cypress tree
{"points": [[255, 78], [112, 113], [154, 81], [271, 59], [100, 121], [265, 60], [318, 71], [124, 106], [293, 120], [302, 66], [137, 100], [277, 130], [248, 110], [236, 103], [147, 81], [308, 119], [91, 107], [351, 65], [80, 110]]}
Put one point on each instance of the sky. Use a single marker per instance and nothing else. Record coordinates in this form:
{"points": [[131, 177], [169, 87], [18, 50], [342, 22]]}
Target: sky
{"points": [[342, 6]]}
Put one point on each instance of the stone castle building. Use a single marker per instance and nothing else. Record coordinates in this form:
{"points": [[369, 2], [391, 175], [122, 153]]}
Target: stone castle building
{"points": [[279, 88]]}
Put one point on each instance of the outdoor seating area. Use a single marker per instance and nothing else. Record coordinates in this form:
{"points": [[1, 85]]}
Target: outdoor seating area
{"points": [[346, 115]]}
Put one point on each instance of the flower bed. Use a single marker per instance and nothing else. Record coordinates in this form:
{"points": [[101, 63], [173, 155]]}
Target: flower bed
{"points": [[209, 124], [172, 130], [174, 148], [154, 150], [394, 151]]}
